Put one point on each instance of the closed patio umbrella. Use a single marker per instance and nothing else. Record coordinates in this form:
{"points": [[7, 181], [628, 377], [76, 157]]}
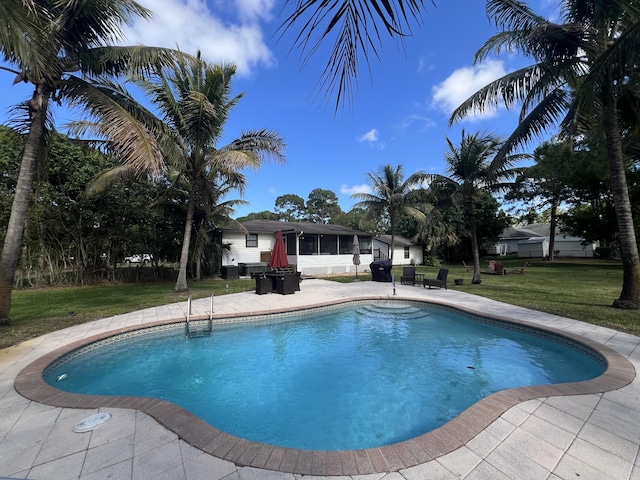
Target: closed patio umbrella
{"points": [[356, 253], [279, 253]]}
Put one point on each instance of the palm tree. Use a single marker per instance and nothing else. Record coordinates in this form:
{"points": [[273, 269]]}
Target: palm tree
{"points": [[442, 226], [579, 76], [56, 46], [193, 99], [359, 24], [212, 211], [470, 170], [392, 196]]}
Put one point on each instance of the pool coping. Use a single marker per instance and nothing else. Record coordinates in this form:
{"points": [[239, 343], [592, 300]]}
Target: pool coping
{"points": [[445, 439]]}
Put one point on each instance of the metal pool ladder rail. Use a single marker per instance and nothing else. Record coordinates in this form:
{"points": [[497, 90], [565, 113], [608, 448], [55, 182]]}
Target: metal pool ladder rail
{"points": [[199, 328]]}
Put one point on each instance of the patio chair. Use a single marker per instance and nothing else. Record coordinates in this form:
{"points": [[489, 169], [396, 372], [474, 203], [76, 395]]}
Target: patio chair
{"points": [[408, 275], [520, 269], [496, 268], [440, 281], [286, 283], [469, 268], [263, 284]]}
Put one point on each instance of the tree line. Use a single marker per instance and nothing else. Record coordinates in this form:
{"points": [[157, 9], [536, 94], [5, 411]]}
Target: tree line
{"points": [[75, 236]]}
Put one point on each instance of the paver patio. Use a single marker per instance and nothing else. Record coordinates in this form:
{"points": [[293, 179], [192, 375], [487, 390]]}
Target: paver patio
{"points": [[587, 436]]}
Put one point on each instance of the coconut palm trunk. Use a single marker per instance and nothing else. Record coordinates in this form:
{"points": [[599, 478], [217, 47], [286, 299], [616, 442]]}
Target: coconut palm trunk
{"points": [[181, 282], [15, 230], [630, 294], [475, 280], [393, 243]]}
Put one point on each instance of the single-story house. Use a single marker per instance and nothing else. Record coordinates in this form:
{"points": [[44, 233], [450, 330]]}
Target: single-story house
{"points": [[314, 248], [532, 241], [405, 252]]}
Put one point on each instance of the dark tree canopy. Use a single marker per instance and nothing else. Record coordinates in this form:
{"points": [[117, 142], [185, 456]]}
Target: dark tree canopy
{"points": [[322, 206], [290, 208]]}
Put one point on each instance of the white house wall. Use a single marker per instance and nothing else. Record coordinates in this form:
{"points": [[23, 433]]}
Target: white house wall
{"points": [[240, 253], [382, 247], [512, 245], [307, 264], [573, 248], [533, 249], [415, 253], [415, 256]]}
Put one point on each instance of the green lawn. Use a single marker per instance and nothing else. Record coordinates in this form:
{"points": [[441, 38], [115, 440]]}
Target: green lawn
{"points": [[581, 289]]}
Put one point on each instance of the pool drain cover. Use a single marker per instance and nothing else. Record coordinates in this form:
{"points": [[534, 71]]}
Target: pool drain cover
{"points": [[91, 422]]}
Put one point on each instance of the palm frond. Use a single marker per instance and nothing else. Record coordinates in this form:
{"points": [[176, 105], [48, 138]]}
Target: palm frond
{"points": [[22, 28], [264, 143], [596, 13], [513, 15], [355, 26], [505, 91], [90, 23], [548, 113], [109, 177], [119, 122], [617, 63], [129, 60], [501, 42]]}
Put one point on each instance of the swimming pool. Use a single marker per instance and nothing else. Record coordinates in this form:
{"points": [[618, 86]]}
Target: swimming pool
{"points": [[376, 375]]}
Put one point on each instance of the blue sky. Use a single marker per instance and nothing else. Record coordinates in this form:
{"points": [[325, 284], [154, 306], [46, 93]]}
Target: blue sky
{"points": [[399, 114]]}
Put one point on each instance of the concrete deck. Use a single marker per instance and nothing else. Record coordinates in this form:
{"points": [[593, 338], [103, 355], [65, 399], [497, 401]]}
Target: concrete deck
{"points": [[584, 430]]}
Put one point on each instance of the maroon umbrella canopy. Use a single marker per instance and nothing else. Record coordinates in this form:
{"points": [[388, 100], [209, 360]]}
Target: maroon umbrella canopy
{"points": [[279, 253]]}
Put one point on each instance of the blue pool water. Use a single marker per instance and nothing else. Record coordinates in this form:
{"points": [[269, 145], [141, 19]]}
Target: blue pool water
{"points": [[357, 377]]}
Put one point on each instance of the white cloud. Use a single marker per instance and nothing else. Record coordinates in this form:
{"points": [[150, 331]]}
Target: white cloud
{"points": [[412, 119], [425, 63], [190, 25], [254, 8], [347, 190], [370, 136], [463, 83]]}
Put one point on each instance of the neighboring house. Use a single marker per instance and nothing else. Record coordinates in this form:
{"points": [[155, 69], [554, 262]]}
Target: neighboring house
{"points": [[314, 248], [405, 251], [532, 241]]}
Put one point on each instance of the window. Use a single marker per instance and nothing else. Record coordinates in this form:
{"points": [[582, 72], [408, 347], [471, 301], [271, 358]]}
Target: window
{"points": [[365, 245], [406, 252], [252, 240], [328, 245], [346, 244], [290, 242], [308, 245]]}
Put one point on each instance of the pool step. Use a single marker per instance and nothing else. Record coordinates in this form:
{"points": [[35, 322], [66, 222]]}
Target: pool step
{"points": [[397, 309], [199, 328]]}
